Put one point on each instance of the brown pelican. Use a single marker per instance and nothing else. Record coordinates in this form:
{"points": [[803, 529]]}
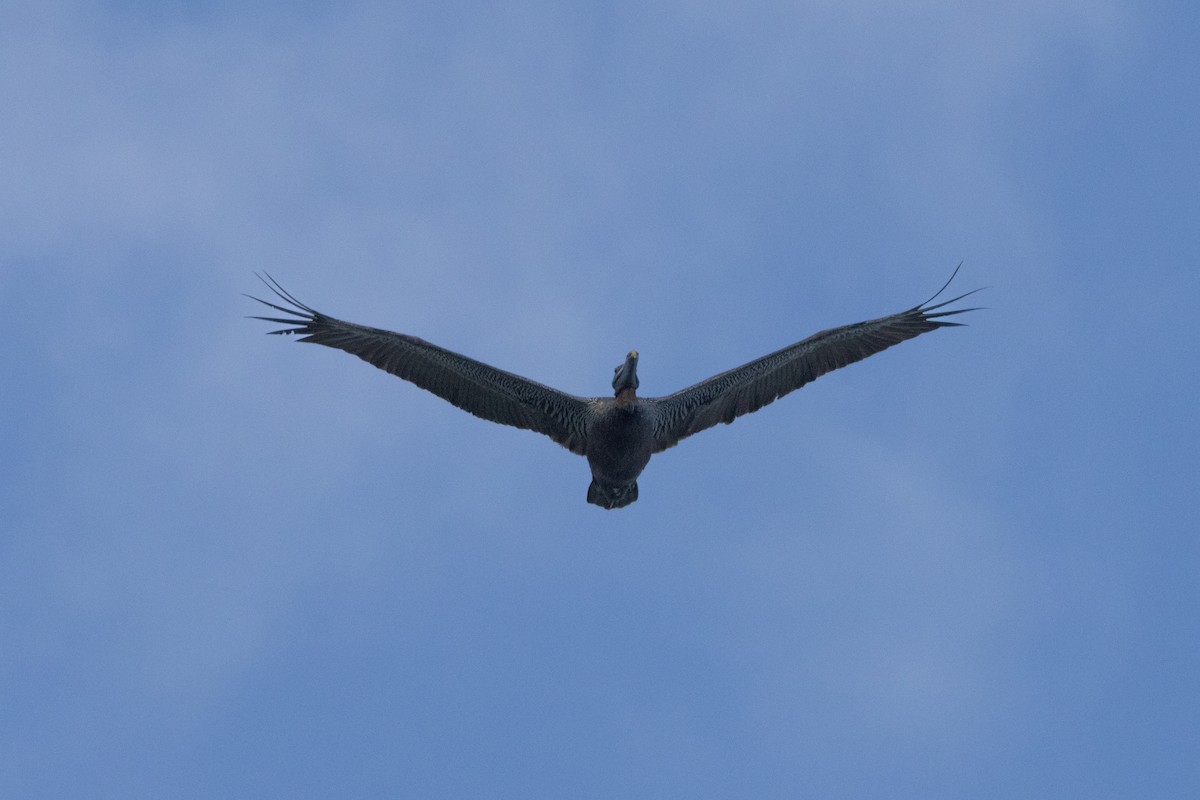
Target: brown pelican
{"points": [[617, 434]]}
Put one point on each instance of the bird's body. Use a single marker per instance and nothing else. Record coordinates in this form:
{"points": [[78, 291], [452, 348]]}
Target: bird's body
{"points": [[620, 436], [616, 434]]}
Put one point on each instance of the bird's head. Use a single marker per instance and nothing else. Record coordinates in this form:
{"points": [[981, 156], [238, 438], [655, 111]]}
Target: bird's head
{"points": [[625, 376]]}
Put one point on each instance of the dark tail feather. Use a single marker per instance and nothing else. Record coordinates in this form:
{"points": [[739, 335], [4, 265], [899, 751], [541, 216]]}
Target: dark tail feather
{"points": [[612, 496]]}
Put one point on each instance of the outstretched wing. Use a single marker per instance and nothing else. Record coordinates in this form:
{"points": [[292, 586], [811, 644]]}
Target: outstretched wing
{"points": [[471, 385], [725, 397]]}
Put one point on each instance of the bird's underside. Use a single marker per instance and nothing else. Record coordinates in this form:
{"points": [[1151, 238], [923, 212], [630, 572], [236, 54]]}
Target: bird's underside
{"points": [[616, 434]]}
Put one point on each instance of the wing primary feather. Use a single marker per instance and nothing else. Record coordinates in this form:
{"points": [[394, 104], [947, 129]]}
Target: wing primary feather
{"points": [[305, 318], [303, 324], [284, 294], [925, 308], [944, 285]]}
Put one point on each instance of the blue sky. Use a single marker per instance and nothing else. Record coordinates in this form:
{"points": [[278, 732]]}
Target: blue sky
{"points": [[232, 566]]}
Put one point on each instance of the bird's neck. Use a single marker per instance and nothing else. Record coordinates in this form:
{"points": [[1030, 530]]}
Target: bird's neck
{"points": [[627, 397]]}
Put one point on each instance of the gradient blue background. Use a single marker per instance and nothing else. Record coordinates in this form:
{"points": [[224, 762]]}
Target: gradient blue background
{"points": [[232, 566]]}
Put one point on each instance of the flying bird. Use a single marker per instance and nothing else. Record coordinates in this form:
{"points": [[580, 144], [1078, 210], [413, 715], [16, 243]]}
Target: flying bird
{"points": [[616, 434]]}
